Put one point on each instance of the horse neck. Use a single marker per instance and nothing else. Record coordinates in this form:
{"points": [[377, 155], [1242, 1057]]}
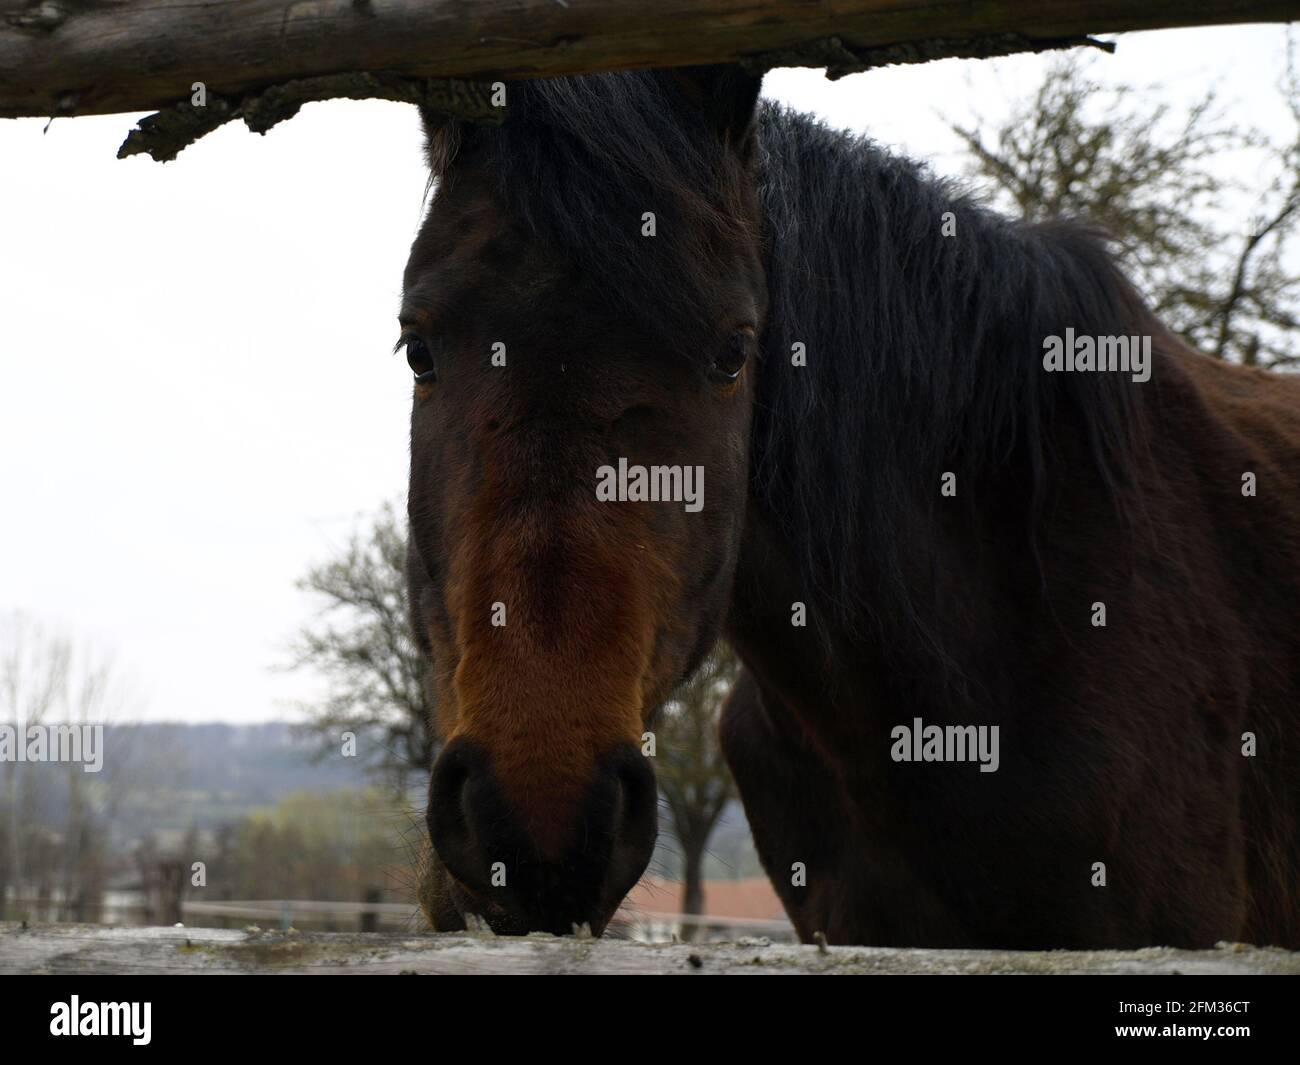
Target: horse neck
{"points": [[919, 319]]}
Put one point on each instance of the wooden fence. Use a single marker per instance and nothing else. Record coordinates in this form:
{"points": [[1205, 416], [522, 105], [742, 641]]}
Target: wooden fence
{"points": [[64, 57], [93, 949]]}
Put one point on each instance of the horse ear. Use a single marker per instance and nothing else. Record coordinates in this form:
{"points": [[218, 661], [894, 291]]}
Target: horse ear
{"points": [[443, 137], [728, 96]]}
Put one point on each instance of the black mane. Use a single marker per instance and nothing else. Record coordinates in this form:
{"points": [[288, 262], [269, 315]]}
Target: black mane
{"points": [[924, 355], [923, 351]]}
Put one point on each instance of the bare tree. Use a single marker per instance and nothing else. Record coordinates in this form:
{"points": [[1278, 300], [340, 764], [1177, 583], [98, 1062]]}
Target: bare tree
{"points": [[693, 775], [362, 645], [1118, 158], [56, 814], [33, 671]]}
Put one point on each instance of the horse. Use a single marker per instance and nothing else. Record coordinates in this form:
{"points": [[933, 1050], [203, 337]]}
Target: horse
{"points": [[1018, 625]]}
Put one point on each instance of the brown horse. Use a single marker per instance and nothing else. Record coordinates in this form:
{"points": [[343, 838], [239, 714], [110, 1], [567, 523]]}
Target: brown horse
{"points": [[1015, 574]]}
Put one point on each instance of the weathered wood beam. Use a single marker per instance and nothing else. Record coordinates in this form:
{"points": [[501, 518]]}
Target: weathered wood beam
{"points": [[80, 57], [96, 949]]}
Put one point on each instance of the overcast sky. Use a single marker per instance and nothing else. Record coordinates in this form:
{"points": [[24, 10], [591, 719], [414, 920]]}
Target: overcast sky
{"points": [[197, 397]]}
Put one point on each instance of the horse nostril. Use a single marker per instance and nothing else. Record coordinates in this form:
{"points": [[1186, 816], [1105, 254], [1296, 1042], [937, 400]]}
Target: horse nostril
{"points": [[638, 786], [450, 775], [449, 815], [638, 814]]}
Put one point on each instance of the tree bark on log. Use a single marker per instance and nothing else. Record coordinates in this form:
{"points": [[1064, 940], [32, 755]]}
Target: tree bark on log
{"points": [[80, 57]]}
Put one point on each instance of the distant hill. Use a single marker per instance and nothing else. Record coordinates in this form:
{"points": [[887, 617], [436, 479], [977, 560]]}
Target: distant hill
{"points": [[181, 776], [209, 774]]}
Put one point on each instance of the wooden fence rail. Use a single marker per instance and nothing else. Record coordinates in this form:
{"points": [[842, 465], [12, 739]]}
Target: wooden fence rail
{"points": [[71, 57], [95, 949]]}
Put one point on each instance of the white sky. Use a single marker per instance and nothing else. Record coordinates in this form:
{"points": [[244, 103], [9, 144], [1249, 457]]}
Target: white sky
{"points": [[196, 395]]}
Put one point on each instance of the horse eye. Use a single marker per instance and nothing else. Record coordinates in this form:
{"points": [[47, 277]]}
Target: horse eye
{"points": [[420, 359], [728, 365]]}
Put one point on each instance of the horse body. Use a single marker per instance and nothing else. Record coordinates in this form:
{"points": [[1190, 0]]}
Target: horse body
{"points": [[1122, 744], [1129, 806]]}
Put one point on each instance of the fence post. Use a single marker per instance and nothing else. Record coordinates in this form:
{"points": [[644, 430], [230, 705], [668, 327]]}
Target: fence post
{"points": [[370, 918], [170, 886]]}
